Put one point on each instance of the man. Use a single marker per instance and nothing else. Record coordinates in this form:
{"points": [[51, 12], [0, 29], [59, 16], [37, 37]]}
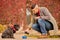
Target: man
{"points": [[42, 17]]}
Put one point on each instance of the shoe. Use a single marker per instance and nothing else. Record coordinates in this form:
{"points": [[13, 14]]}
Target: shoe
{"points": [[44, 36]]}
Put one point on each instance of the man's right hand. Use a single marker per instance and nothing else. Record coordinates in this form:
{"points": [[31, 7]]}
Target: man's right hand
{"points": [[37, 17]]}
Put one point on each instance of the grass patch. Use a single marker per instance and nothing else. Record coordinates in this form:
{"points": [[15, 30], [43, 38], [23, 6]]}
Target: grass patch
{"points": [[37, 36], [2, 28], [54, 36]]}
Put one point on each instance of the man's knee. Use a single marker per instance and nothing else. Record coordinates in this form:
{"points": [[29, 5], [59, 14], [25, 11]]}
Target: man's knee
{"points": [[40, 20], [33, 26], [36, 27]]}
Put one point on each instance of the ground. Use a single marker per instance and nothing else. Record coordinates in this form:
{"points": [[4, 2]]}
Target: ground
{"points": [[18, 36]]}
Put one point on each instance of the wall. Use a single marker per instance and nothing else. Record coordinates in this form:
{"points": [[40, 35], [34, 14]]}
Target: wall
{"points": [[10, 11]]}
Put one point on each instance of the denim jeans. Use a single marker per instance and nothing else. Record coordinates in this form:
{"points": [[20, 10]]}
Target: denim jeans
{"points": [[42, 26]]}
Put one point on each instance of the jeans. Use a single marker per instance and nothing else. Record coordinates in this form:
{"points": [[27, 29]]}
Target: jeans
{"points": [[42, 26]]}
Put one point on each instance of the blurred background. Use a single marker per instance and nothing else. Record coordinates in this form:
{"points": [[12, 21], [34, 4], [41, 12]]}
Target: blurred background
{"points": [[10, 10]]}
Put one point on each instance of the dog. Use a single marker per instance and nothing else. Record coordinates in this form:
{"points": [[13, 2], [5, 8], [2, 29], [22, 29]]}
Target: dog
{"points": [[9, 32]]}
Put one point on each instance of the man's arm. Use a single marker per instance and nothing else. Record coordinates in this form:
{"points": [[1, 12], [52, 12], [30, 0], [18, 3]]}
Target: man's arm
{"points": [[36, 17], [46, 13]]}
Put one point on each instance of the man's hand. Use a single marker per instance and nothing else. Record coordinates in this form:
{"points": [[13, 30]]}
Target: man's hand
{"points": [[37, 17]]}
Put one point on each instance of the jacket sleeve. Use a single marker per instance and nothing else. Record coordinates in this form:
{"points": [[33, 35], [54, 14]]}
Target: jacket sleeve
{"points": [[46, 13]]}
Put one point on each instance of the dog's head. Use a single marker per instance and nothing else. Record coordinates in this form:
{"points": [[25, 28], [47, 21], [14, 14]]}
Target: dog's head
{"points": [[16, 26]]}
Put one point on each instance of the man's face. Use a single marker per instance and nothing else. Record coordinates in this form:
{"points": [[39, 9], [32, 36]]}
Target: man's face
{"points": [[35, 10]]}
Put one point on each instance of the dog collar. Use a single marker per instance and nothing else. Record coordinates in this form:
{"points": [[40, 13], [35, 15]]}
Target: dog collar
{"points": [[13, 28]]}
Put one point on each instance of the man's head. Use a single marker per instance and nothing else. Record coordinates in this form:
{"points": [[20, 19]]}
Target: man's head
{"points": [[34, 8]]}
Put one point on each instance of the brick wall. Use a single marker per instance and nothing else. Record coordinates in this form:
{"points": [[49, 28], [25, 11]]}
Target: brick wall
{"points": [[10, 11]]}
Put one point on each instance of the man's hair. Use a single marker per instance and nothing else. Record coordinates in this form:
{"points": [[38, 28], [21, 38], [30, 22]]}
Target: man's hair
{"points": [[33, 6]]}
